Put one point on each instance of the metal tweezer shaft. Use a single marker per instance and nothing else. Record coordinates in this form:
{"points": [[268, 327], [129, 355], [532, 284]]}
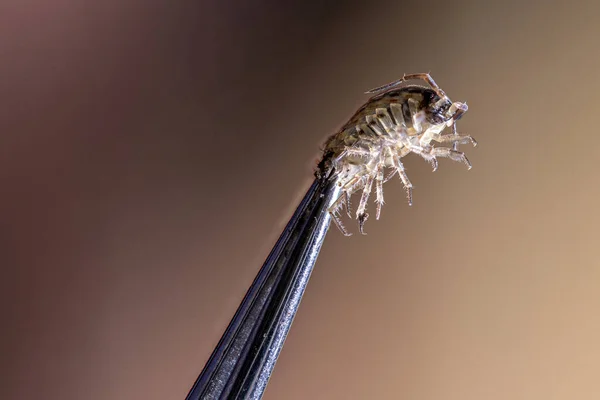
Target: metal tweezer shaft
{"points": [[242, 362]]}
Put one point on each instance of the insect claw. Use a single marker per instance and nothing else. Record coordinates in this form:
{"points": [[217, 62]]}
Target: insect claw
{"points": [[361, 222], [469, 166]]}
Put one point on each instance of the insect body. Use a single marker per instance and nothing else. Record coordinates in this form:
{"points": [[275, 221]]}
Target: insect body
{"points": [[396, 121]]}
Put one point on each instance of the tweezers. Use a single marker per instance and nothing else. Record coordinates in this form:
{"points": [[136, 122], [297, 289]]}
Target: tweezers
{"points": [[242, 362]]}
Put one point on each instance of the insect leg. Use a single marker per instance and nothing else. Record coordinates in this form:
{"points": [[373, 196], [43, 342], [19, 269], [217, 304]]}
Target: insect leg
{"points": [[459, 110], [333, 211], [379, 188], [451, 154], [404, 178], [456, 139], [427, 155], [360, 212], [455, 134], [348, 204], [390, 175], [349, 190]]}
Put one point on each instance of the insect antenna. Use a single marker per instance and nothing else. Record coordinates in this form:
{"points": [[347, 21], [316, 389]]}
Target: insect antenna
{"points": [[385, 87]]}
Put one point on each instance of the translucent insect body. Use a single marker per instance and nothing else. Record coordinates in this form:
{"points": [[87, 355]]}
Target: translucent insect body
{"points": [[398, 120]]}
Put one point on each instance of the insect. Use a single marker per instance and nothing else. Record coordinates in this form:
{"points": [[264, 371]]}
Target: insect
{"points": [[397, 120]]}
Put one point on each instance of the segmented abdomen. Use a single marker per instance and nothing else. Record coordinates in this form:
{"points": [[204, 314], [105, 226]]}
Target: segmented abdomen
{"points": [[385, 117]]}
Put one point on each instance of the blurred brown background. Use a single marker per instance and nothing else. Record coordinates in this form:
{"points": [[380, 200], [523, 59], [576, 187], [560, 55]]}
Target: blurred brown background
{"points": [[151, 152]]}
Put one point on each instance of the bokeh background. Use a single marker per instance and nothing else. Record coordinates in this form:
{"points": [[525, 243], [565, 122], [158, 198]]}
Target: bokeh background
{"points": [[152, 151]]}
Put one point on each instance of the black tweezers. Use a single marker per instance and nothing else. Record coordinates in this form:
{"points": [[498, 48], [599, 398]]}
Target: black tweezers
{"points": [[244, 358]]}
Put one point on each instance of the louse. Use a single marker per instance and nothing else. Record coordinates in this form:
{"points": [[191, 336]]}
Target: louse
{"points": [[397, 120]]}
